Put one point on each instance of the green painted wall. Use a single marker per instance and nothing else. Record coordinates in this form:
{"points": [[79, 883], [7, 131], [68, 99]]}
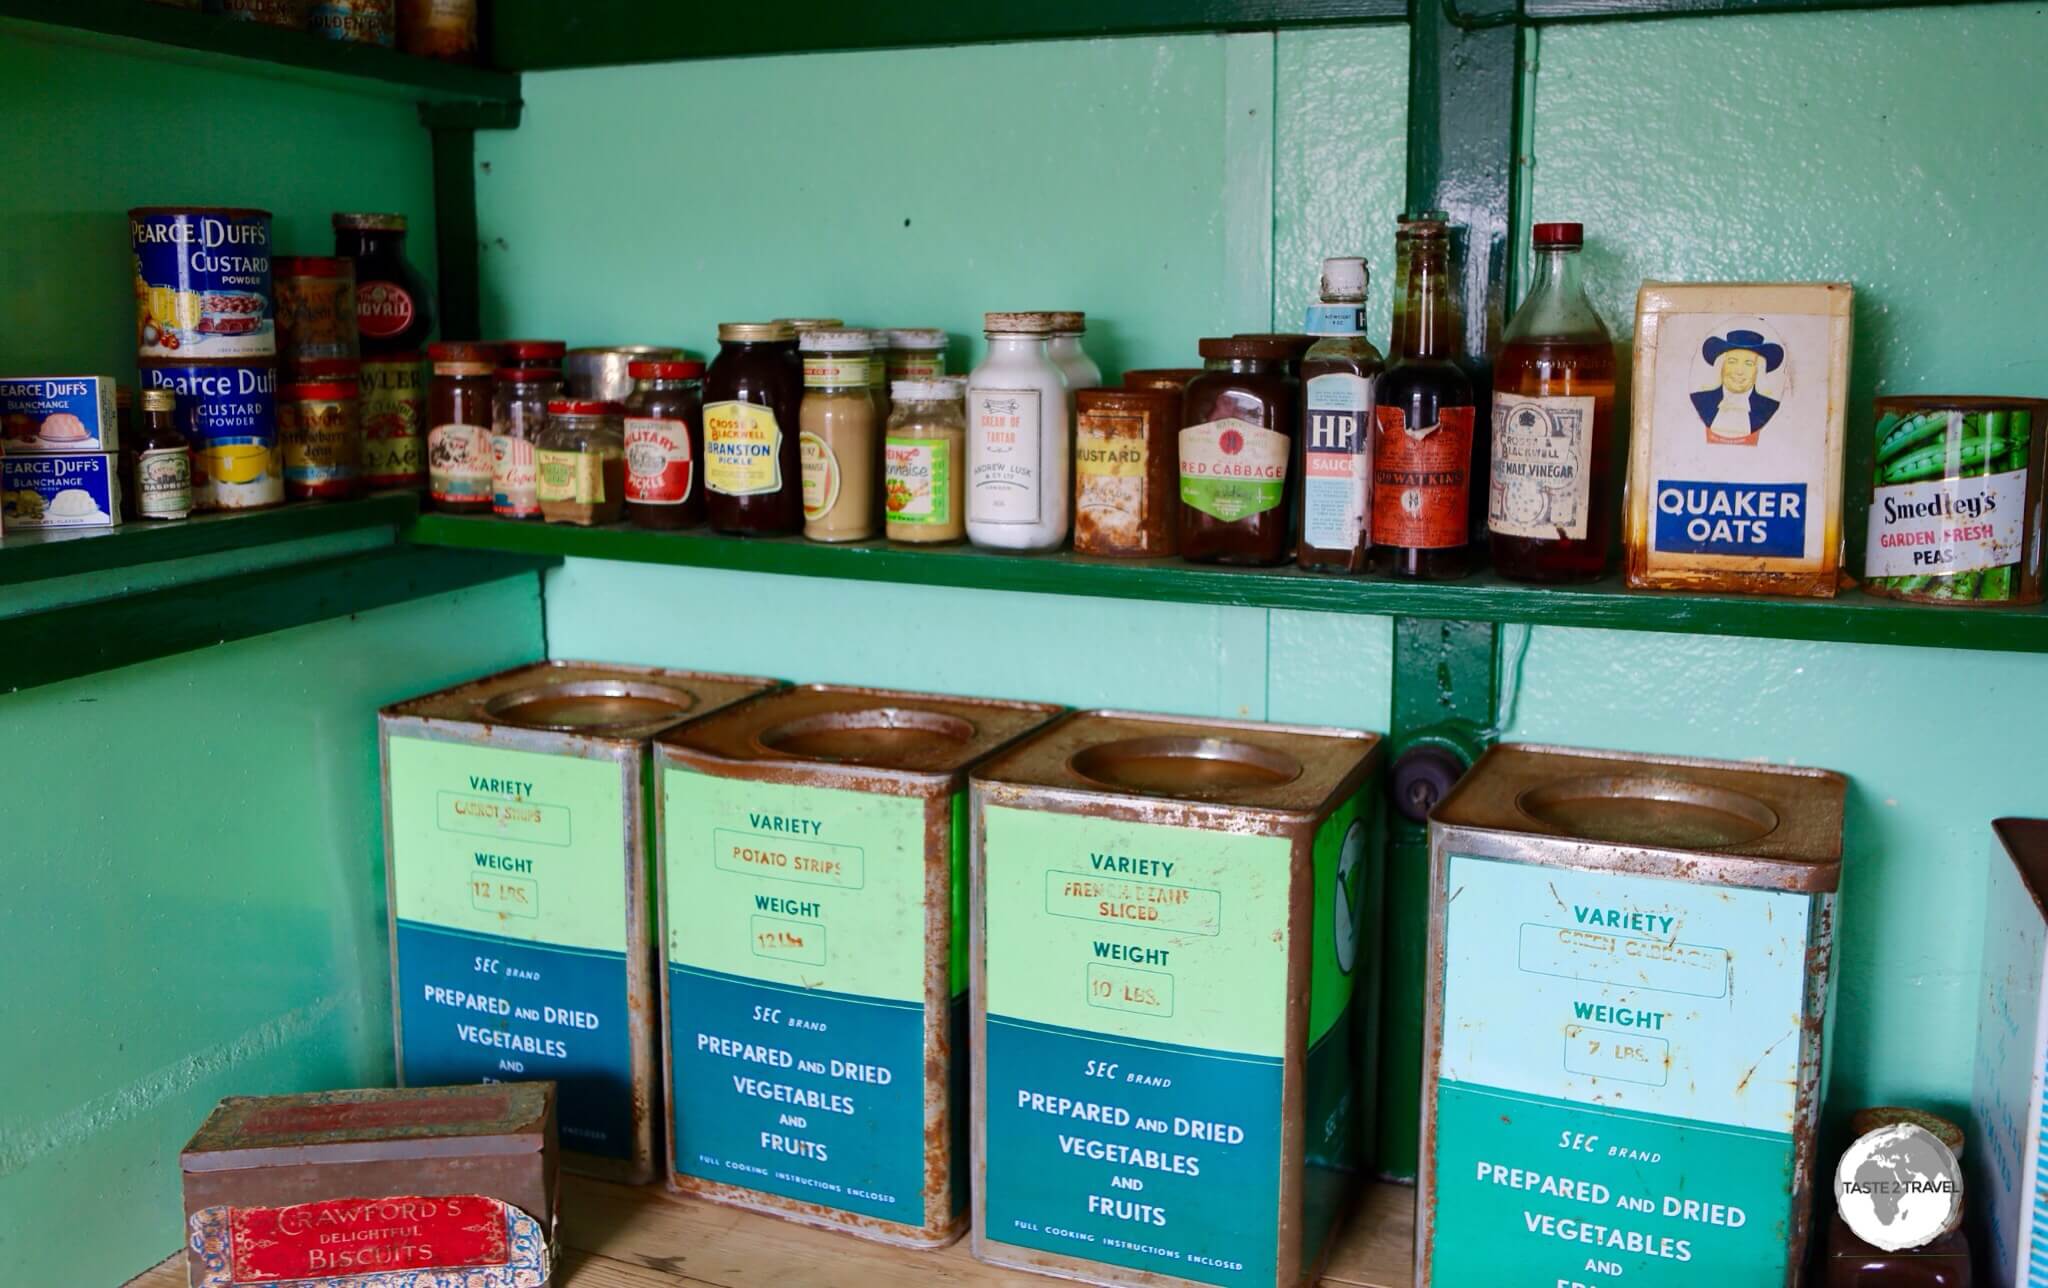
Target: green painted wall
{"points": [[91, 131], [192, 906]]}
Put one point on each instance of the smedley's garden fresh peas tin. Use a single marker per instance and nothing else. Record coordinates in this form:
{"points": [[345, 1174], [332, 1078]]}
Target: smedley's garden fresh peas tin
{"points": [[517, 864], [1176, 976], [814, 920], [1630, 964], [202, 282], [1956, 500]]}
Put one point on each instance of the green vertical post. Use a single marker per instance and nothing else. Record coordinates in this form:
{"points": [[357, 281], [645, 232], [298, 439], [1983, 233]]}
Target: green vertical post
{"points": [[456, 243]]}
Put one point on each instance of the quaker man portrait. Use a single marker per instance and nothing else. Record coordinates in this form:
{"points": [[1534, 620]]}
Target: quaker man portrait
{"points": [[1734, 412]]}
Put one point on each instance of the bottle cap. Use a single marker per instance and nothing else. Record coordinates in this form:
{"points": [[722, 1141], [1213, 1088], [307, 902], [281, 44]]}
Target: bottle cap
{"points": [[461, 351], [159, 400], [1867, 1120], [1074, 322], [756, 332], [802, 325], [361, 222], [825, 340], [1560, 234], [1264, 348], [942, 389], [583, 407], [1344, 279], [1017, 323], [689, 369], [522, 353], [527, 375], [917, 338]]}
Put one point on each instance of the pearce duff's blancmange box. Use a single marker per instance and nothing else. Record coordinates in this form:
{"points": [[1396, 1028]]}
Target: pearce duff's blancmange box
{"points": [[81, 491], [41, 414]]}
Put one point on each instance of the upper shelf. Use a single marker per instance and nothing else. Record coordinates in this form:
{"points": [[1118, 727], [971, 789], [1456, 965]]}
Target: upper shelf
{"points": [[1853, 617], [215, 40]]}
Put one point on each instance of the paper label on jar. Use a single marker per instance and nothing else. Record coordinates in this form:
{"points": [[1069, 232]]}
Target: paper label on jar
{"points": [[1946, 525], [1003, 429], [659, 469], [163, 479], [1109, 480], [236, 474], [391, 413], [575, 477], [459, 462], [1542, 478], [742, 449], [317, 439], [930, 368], [835, 370], [1421, 479], [1336, 473], [821, 477], [514, 478], [1232, 469], [918, 478]]}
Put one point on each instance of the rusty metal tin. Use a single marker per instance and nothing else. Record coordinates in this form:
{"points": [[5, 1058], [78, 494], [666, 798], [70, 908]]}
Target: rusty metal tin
{"points": [[271, 1181], [517, 864], [1630, 960], [1176, 957], [813, 897], [1127, 472], [2008, 1110]]}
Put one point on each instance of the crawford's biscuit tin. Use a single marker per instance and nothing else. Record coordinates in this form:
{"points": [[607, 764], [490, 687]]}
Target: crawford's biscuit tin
{"points": [[227, 409], [1176, 976], [813, 868], [2008, 1181], [518, 868], [374, 1189], [202, 282], [41, 414], [1630, 959], [75, 491], [1735, 459]]}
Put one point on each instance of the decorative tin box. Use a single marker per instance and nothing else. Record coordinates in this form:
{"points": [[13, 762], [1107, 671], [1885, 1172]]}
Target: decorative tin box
{"points": [[374, 1189], [1630, 962], [1176, 976], [518, 866], [813, 871], [1735, 459], [2008, 1113], [81, 491], [40, 414]]}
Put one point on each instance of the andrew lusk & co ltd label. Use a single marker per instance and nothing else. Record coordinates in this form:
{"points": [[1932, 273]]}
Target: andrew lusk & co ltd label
{"points": [[1618, 1079], [796, 972], [508, 885]]}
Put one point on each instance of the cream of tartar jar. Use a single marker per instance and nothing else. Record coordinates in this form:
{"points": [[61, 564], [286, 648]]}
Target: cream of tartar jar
{"points": [[1020, 439], [1065, 350]]}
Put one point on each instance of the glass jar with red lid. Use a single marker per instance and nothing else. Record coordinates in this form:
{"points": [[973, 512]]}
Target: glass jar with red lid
{"points": [[459, 417], [394, 311], [532, 353], [665, 444], [1236, 451]]}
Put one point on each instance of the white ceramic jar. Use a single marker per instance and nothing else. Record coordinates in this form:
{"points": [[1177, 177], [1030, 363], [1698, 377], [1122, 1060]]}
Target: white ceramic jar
{"points": [[1068, 355], [1020, 439]]}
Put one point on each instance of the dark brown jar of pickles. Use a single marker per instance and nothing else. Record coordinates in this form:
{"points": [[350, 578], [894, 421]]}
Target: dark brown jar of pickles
{"points": [[753, 482], [665, 444], [1236, 452]]}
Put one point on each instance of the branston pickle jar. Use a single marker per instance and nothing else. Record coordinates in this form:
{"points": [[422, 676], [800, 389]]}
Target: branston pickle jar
{"points": [[1175, 984], [813, 870], [1631, 961], [517, 865], [753, 477]]}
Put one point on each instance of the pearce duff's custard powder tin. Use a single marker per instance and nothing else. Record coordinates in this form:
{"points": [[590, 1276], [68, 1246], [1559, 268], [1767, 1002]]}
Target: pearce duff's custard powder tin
{"points": [[517, 864], [813, 870], [1176, 976], [202, 282], [227, 410], [1630, 958]]}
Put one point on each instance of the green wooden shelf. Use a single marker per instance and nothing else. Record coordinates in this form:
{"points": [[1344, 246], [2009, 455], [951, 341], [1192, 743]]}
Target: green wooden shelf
{"points": [[215, 40], [1853, 617], [39, 554]]}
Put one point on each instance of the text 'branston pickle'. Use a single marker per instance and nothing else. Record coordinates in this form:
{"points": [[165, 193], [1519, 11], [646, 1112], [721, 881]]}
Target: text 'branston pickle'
{"points": [[518, 870], [1630, 962], [1175, 989], [813, 867]]}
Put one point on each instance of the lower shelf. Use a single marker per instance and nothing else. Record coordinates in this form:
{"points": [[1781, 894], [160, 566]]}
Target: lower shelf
{"points": [[626, 1237]]}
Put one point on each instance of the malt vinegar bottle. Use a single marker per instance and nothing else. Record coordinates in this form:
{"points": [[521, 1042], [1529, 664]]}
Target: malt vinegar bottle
{"points": [[1423, 419]]}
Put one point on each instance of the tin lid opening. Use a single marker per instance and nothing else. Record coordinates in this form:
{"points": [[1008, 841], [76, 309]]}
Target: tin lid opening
{"points": [[1193, 768], [884, 737], [1631, 809], [591, 706]]}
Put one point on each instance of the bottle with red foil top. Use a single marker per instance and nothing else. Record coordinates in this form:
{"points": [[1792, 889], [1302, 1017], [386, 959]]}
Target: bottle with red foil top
{"points": [[393, 311], [459, 440], [664, 442], [1423, 420]]}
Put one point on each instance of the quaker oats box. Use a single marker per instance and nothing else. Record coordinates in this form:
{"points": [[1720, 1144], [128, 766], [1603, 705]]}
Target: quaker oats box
{"points": [[1735, 458]]}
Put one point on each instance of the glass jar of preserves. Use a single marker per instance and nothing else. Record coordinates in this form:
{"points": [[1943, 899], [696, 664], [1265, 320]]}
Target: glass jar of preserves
{"points": [[1064, 348], [1020, 439], [1236, 450], [581, 460], [838, 445], [519, 412], [394, 313], [459, 413], [923, 456], [753, 484], [664, 443]]}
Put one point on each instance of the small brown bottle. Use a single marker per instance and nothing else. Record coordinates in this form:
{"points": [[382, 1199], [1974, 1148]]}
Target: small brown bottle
{"points": [[160, 461]]}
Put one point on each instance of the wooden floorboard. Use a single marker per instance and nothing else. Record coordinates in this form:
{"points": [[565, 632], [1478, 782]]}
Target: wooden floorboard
{"points": [[622, 1236]]}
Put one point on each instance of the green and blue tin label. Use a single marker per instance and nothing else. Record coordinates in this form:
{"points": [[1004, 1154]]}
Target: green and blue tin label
{"points": [[1138, 979], [509, 897], [797, 959], [1618, 1083]]}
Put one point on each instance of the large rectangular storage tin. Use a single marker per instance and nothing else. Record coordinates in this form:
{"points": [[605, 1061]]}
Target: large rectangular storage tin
{"points": [[1630, 959], [517, 866], [2008, 1115], [1176, 978], [813, 897]]}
